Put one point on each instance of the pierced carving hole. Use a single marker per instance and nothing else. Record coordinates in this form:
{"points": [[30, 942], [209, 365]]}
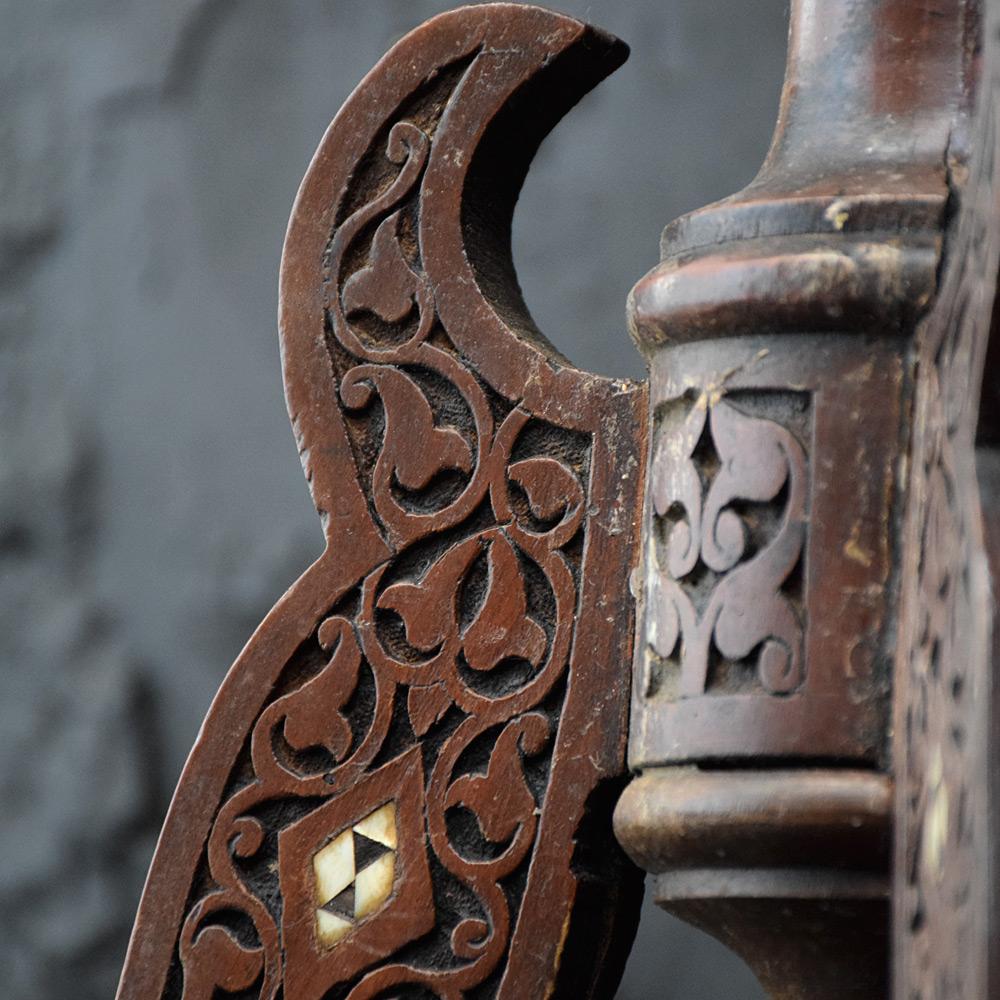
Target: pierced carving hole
{"points": [[731, 676]]}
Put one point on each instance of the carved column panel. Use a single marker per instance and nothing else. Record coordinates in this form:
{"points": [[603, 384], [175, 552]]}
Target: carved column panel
{"points": [[754, 561]]}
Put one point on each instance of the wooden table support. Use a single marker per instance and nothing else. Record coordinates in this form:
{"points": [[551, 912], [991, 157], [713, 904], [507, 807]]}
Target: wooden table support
{"points": [[765, 571], [794, 335]]}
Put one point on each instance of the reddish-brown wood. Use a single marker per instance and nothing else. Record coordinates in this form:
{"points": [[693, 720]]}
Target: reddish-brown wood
{"points": [[814, 598], [404, 787], [458, 655]]}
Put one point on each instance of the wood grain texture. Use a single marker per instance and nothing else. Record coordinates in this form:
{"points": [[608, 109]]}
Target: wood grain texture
{"points": [[945, 741], [461, 648]]}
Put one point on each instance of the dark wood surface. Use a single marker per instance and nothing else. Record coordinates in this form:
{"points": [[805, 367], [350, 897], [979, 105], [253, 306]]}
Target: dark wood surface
{"points": [[405, 785], [460, 651], [944, 753], [815, 608]]}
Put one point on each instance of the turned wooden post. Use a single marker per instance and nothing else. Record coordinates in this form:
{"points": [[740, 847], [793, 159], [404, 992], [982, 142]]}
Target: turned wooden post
{"points": [[783, 329]]}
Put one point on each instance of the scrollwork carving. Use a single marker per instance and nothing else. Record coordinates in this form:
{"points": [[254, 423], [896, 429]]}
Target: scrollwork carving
{"points": [[729, 494], [388, 798]]}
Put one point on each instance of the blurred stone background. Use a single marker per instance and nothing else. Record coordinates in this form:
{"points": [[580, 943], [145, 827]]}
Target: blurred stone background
{"points": [[152, 507]]}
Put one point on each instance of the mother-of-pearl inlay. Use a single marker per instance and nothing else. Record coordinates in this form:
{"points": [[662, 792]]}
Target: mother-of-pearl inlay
{"points": [[354, 874]]}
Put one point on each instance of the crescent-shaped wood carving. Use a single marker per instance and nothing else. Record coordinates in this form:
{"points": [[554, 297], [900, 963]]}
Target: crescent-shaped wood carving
{"points": [[404, 785]]}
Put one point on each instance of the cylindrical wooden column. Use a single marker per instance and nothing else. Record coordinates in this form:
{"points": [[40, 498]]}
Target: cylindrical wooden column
{"points": [[778, 329]]}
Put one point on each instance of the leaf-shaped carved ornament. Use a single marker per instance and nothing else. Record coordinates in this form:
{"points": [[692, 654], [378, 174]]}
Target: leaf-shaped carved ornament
{"points": [[756, 461], [500, 799], [428, 608], [219, 961], [415, 449], [758, 458], [676, 485], [502, 629], [400, 372], [427, 704], [749, 603], [554, 495], [312, 715], [388, 286]]}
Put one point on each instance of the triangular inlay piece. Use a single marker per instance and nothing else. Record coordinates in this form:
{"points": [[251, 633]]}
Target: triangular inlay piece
{"points": [[330, 928], [366, 851], [380, 825], [334, 867], [342, 905], [374, 885]]}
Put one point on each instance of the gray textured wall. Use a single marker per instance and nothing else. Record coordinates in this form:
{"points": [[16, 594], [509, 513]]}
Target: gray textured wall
{"points": [[151, 502]]}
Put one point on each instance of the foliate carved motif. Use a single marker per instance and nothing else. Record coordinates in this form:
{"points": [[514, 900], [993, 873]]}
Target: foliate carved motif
{"points": [[447, 662], [943, 849], [404, 786], [728, 495]]}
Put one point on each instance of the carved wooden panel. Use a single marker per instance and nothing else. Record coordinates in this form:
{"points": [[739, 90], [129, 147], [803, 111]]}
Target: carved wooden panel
{"points": [[404, 786], [729, 504], [753, 562]]}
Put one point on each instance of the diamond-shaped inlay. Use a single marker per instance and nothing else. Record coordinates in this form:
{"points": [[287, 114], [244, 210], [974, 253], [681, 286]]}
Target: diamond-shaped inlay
{"points": [[354, 874], [355, 879]]}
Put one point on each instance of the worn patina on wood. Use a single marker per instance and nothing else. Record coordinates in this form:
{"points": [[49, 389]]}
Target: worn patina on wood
{"points": [[815, 622], [404, 786]]}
